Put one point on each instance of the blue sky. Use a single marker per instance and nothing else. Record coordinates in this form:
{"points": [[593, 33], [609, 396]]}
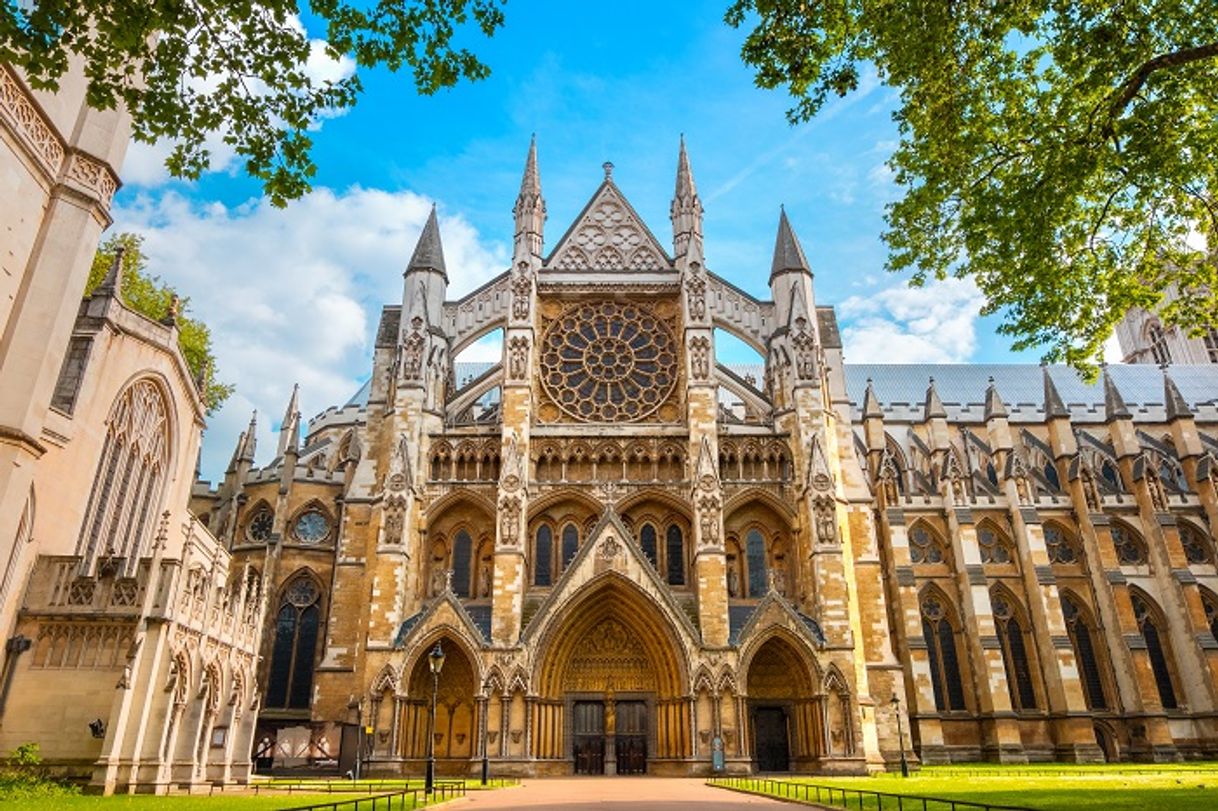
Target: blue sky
{"points": [[293, 295]]}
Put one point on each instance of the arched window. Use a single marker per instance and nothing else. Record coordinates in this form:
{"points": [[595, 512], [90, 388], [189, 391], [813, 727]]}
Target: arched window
{"points": [[1051, 476], [462, 554], [1158, 344], [570, 544], [675, 552], [543, 546], [1130, 548], [925, 545], [941, 651], [1060, 545], [1210, 603], [1014, 652], [1197, 547], [1084, 651], [647, 540], [754, 556], [995, 546], [291, 677], [127, 485], [1150, 626]]}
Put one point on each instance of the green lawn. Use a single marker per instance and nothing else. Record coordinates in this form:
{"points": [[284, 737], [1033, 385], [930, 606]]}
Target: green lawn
{"points": [[1053, 787]]}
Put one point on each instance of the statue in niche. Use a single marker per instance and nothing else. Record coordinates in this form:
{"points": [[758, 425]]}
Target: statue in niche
{"points": [[699, 357], [825, 510], [733, 577], [484, 579], [518, 357], [522, 289]]}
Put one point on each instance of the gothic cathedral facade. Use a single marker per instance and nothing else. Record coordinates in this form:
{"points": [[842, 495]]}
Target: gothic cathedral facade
{"points": [[638, 558]]}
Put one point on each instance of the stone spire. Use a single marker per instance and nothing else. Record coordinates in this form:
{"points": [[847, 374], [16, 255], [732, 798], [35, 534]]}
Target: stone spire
{"points": [[429, 252], [1114, 404], [788, 254], [249, 443], [871, 403], [994, 407], [232, 463], [289, 424], [112, 283], [686, 210], [934, 406], [530, 209], [1054, 406], [1177, 406]]}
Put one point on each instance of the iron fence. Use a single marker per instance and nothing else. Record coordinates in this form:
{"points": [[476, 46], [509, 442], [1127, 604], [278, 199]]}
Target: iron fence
{"points": [[852, 798]]}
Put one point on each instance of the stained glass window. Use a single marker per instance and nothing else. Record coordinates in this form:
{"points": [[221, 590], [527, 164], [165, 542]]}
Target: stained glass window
{"points": [[1151, 633], [570, 544], [1059, 545], [1130, 549], [1014, 654], [647, 540], [462, 554], [1084, 652], [754, 552], [941, 651], [296, 626], [925, 546], [675, 552], [542, 552]]}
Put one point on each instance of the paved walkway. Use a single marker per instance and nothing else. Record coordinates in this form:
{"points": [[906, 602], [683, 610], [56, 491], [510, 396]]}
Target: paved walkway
{"points": [[605, 793]]}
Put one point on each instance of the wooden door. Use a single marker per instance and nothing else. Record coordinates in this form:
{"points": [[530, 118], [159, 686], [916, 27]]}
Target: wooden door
{"points": [[630, 743], [770, 737], [589, 737]]}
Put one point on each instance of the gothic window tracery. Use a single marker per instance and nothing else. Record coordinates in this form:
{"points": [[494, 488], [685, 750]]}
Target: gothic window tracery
{"points": [[296, 628], [260, 525], [1198, 549], [1061, 545], [995, 546], [311, 527], [129, 478], [1210, 603], [1159, 350], [1014, 651], [1129, 546], [1151, 627], [940, 638], [1083, 641], [925, 545], [608, 362]]}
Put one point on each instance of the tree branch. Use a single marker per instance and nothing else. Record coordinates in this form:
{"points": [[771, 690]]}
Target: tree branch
{"points": [[1170, 60]]}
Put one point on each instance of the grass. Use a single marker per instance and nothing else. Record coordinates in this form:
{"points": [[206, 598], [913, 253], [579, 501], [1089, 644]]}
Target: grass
{"points": [[1052, 787], [271, 794]]}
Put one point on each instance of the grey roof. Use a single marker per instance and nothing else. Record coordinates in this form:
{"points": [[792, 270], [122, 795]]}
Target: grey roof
{"points": [[900, 389], [737, 617], [360, 398], [481, 616]]}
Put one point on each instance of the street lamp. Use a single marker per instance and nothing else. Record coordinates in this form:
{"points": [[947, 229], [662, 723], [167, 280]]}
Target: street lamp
{"points": [[486, 755], [896, 708], [435, 660]]}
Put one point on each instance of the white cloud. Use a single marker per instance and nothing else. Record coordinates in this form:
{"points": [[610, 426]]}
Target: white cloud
{"points": [[901, 324], [293, 295]]}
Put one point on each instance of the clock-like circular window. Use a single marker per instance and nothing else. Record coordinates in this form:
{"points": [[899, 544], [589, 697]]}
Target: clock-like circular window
{"points": [[311, 527], [608, 362], [261, 525]]}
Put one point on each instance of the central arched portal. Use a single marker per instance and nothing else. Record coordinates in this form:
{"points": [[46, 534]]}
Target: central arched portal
{"points": [[612, 696]]}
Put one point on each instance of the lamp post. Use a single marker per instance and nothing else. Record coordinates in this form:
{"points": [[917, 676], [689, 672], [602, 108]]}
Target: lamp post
{"points": [[435, 660], [358, 706], [486, 755], [896, 708]]}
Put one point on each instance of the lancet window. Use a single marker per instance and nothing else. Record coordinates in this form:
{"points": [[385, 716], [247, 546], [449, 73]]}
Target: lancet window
{"points": [[570, 544], [296, 627], [1151, 626], [1011, 634], [995, 546], [1061, 545], [1130, 548], [754, 554], [1082, 639], [940, 638], [1197, 547], [1210, 603], [925, 545], [1158, 344], [647, 541], [543, 550], [127, 485], [462, 561], [675, 552]]}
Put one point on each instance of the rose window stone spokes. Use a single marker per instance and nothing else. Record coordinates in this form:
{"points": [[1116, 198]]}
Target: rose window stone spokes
{"points": [[609, 362]]}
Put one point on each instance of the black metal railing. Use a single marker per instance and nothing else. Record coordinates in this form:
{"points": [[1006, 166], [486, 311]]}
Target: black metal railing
{"points": [[398, 800], [852, 798], [387, 785]]}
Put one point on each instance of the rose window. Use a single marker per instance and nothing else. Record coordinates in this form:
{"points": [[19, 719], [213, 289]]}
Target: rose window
{"points": [[608, 362]]}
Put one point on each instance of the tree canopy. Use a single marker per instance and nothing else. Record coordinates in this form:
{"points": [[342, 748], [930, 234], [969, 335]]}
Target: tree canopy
{"points": [[190, 70], [147, 295], [1061, 153]]}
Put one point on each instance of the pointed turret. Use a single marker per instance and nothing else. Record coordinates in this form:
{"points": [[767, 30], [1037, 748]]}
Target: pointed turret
{"points": [[994, 407], [1114, 404], [250, 440], [871, 403], [289, 424], [1054, 406], [112, 283], [429, 252], [934, 406], [236, 458], [788, 253], [530, 209], [1173, 400], [686, 210]]}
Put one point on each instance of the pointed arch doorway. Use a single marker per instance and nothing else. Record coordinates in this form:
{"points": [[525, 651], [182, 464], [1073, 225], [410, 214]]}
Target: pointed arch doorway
{"points": [[612, 695]]}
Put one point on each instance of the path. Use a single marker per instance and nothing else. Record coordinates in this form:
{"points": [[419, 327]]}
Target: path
{"points": [[605, 793]]}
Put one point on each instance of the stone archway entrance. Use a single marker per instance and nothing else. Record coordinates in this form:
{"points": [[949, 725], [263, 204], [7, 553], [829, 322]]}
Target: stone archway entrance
{"points": [[786, 717], [612, 696]]}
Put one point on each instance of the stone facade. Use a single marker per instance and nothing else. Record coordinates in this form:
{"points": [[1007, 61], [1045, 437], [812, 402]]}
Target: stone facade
{"points": [[636, 556], [130, 637]]}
